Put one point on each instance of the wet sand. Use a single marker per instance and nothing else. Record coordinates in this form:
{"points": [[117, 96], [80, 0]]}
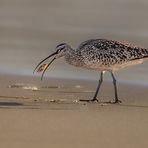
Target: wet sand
{"points": [[48, 114]]}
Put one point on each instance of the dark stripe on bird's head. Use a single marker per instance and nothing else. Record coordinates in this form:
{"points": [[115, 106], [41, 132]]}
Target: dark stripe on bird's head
{"points": [[60, 45]]}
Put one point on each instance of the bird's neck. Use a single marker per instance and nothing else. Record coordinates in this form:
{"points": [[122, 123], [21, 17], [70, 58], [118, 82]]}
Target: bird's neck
{"points": [[70, 54], [70, 51], [73, 57]]}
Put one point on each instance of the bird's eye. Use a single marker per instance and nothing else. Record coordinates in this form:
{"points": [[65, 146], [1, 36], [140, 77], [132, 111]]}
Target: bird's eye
{"points": [[59, 50]]}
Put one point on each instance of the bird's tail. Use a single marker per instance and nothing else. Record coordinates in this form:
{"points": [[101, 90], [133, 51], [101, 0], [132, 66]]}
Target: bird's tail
{"points": [[143, 55]]}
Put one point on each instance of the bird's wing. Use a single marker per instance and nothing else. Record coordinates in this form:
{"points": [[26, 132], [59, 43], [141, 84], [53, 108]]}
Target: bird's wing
{"points": [[109, 51], [120, 50], [85, 43]]}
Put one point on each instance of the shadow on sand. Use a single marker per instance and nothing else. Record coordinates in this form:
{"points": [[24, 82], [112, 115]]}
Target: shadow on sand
{"points": [[10, 104]]}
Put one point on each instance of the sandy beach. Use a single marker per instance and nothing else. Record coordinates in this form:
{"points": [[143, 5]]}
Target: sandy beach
{"points": [[48, 114]]}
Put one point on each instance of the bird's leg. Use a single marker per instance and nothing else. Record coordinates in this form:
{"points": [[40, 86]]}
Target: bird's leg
{"points": [[98, 87], [97, 90], [115, 89]]}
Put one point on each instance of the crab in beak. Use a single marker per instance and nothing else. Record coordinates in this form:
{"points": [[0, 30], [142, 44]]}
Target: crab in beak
{"points": [[43, 67]]}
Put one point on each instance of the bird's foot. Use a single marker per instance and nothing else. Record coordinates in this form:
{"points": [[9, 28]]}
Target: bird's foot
{"points": [[116, 102], [96, 100], [91, 100], [112, 102]]}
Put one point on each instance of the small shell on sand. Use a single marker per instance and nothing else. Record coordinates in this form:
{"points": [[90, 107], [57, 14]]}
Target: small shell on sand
{"points": [[77, 86]]}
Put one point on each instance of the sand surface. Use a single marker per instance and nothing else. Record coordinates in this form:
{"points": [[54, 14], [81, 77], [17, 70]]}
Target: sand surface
{"points": [[38, 114]]}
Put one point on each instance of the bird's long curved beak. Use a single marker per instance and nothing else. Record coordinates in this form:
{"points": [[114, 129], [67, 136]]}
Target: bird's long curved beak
{"points": [[47, 65]]}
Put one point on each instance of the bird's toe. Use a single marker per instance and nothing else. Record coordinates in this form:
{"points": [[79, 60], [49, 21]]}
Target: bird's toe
{"points": [[89, 100], [117, 102]]}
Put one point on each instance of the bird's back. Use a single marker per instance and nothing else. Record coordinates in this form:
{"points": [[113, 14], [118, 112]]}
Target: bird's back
{"points": [[103, 54]]}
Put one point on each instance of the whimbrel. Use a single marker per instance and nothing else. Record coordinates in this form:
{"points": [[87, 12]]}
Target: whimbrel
{"points": [[100, 55]]}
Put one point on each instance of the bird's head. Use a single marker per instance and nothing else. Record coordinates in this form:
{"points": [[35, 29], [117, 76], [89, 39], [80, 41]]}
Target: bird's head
{"points": [[60, 51]]}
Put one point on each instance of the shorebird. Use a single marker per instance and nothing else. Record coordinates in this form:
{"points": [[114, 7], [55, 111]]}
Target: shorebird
{"points": [[101, 55]]}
